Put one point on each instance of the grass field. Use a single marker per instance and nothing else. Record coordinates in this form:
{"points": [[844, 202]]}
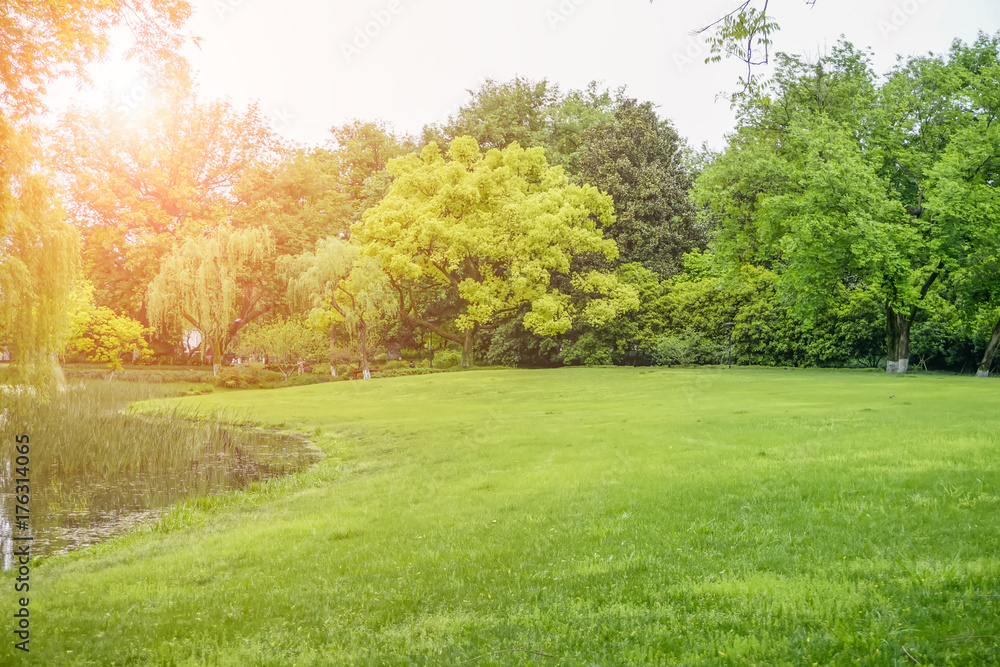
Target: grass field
{"points": [[596, 516]]}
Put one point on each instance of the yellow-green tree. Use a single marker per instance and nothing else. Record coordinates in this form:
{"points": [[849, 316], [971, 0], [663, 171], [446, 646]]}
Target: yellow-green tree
{"points": [[216, 283], [100, 334], [494, 230]]}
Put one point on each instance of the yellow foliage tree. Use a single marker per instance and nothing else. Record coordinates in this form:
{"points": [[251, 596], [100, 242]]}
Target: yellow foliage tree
{"points": [[494, 230], [100, 334]]}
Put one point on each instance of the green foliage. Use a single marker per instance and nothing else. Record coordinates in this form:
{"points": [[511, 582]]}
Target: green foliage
{"points": [[217, 284], [589, 349], [843, 187], [636, 158], [257, 376], [509, 344], [39, 258], [284, 342], [407, 372], [138, 376], [852, 332], [347, 292], [686, 348], [493, 229], [447, 359], [501, 114], [766, 334], [630, 337], [531, 114]]}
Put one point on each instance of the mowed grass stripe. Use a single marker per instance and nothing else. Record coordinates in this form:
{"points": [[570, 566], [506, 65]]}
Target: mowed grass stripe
{"points": [[600, 516]]}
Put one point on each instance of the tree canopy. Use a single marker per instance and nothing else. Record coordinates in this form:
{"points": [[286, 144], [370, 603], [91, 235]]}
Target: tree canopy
{"points": [[493, 228]]}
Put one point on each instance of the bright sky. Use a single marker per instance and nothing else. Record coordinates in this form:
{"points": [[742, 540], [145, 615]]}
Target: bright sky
{"points": [[311, 65]]}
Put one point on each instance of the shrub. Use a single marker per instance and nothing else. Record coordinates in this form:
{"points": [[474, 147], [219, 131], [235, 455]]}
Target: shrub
{"points": [[245, 377], [296, 380], [447, 359], [403, 372], [139, 376], [685, 348]]}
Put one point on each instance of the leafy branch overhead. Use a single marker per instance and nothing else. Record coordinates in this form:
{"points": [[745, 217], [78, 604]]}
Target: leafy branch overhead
{"points": [[746, 34]]}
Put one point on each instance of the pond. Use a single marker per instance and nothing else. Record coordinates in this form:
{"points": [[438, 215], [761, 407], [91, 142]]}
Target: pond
{"points": [[97, 470]]}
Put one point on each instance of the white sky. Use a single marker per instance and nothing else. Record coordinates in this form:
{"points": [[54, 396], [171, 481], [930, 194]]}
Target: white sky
{"points": [[289, 54]]}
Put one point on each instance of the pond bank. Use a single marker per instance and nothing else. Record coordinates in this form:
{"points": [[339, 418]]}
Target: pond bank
{"points": [[98, 469]]}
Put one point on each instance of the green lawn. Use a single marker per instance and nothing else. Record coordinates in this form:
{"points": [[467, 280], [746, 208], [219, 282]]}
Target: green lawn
{"points": [[597, 516]]}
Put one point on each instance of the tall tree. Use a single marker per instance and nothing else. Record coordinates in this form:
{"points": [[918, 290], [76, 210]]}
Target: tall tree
{"points": [[500, 114], [358, 155], [929, 105], [217, 283], [531, 114], [39, 257], [800, 191], [297, 198], [493, 229], [141, 183], [637, 159], [964, 195], [45, 40], [285, 342]]}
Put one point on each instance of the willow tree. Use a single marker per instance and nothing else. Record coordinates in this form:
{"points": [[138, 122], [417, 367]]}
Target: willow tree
{"points": [[39, 257], [216, 283], [493, 230], [345, 290]]}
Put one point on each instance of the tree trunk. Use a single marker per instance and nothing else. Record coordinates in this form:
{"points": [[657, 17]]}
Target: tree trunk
{"points": [[216, 358], [363, 351], [991, 349], [333, 351], [470, 336], [897, 348]]}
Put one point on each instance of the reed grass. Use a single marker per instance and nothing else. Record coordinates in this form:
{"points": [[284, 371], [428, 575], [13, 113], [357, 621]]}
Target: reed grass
{"points": [[89, 429]]}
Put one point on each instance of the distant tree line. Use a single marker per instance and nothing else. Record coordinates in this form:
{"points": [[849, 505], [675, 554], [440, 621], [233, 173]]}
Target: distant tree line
{"points": [[852, 219]]}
